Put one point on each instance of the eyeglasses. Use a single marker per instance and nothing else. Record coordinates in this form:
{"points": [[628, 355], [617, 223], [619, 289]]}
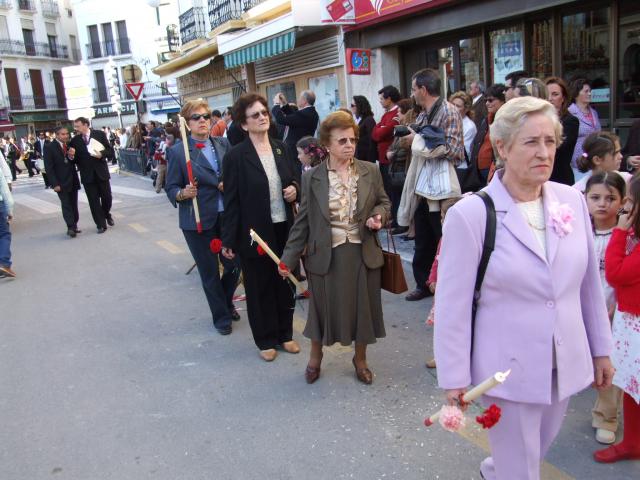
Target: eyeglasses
{"points": [[256, 115], [353, 105], [197, 116], [343, 141], [489, 99]]}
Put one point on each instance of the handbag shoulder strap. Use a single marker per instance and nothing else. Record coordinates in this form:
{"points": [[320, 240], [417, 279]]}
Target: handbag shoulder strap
{"points": [[434, 110], [487, 248], [390, 241]]}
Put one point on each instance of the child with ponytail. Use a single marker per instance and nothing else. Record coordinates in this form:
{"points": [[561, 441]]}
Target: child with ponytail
{"points": [[601, 153]]}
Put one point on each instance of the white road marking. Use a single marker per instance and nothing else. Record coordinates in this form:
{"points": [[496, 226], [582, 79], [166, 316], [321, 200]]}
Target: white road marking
{"points": [[139, 228], [40, 206], [134, 192], [170, 247]]}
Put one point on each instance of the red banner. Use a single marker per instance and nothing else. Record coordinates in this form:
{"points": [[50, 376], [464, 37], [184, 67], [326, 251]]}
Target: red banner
{"points": [[374, 11]]}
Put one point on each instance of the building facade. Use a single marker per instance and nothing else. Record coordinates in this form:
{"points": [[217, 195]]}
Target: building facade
{"points": [[485, 40], [37, 39], [136, 36]]}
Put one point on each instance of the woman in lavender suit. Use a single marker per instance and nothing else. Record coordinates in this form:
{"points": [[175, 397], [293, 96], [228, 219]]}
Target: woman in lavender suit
{"points": [[586, 115], [541, 312]]}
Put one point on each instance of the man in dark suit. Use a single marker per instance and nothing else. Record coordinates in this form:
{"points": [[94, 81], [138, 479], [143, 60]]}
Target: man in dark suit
{"points": [[41, 142], [301, 123], [64, 178], [479, 108], [94, 170]]}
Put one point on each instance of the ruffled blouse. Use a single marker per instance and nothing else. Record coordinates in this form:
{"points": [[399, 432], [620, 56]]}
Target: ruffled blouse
{"points": [[343, 199]]}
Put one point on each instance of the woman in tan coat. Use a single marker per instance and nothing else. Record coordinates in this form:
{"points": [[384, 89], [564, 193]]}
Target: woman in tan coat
{"points": [[343, 206]]}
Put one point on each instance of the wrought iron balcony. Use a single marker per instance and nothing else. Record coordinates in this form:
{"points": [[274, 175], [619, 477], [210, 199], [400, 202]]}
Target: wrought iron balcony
{"points": [[50, 8], [100, 95], [33, 49], [26, 5], [31, 102], [251, 3], [192, 25], [119, 46], [221, 11]]}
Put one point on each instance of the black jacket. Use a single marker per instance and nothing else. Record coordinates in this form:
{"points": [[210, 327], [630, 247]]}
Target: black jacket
{"points": [[61, 171], [301, 123], [562, 171], [632, 147], [246, 196], [479, 110], [92, 170], [366, 149], [39, 150]]}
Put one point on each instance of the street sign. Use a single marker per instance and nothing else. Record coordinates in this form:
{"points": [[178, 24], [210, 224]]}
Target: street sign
{"points": [[135, 89], [77, 91]]}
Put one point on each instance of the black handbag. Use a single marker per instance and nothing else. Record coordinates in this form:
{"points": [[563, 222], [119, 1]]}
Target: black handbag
{"points": [[469, 178]]}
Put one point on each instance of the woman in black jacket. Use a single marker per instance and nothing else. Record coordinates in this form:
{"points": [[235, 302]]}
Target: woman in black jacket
{"points": [[559, 97], [259, 191], [366, 148]]}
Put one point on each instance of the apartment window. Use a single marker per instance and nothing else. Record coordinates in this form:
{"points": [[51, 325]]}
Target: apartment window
{"points": [[123, 38], [4, 29], [37, 87], [73, 45], [94, 50], [101, 94], [52, 38], [29, 44], [107, 35]]}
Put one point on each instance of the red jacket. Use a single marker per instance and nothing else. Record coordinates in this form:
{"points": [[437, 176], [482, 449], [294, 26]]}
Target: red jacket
{"points": [[622, 270], [382, 134]]}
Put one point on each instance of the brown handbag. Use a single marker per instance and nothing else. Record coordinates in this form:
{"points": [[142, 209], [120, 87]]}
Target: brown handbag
{"points": [[392, 272]]}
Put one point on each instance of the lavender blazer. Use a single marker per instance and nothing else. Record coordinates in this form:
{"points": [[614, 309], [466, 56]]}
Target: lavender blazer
{"points": [[528, 305], [585, 129]]}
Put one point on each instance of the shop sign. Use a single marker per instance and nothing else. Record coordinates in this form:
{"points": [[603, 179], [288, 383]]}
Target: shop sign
{"points": [[107, 110], [338, 11], [508, 55], [39, 117], [374, 11], [358, 61], [600, 95]]}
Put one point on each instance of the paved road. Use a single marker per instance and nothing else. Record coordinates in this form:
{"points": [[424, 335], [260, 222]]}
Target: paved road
{"points": [[110, 369]]}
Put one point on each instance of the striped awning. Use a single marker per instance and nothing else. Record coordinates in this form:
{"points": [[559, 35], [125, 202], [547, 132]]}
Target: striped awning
{"points": [[264, 49]]}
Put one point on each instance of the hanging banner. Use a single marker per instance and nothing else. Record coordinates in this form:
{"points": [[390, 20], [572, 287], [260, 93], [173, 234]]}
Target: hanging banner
{"points": [[338, 11], [375, 11]]}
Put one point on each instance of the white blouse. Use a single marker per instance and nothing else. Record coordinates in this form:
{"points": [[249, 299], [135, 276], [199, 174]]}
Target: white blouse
{"points": [[276, 199], [533, 213]]}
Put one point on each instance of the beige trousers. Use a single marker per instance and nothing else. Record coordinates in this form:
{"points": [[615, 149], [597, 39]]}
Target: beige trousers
{"points": [[605, 411]]}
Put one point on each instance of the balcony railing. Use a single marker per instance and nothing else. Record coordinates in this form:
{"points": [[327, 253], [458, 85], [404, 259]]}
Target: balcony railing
{"points": [[110, 47], [100, 95], [251, 3], [26, 5], [34, 49], [31, 102], [192, 25], [50, 8], [221, 11]]}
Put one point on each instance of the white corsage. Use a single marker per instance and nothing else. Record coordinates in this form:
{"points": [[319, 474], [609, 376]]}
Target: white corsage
{"points": [[560, 219]]}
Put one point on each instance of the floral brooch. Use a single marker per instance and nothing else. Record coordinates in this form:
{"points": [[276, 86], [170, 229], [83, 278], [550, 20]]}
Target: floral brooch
{"points": [[560, 218]]}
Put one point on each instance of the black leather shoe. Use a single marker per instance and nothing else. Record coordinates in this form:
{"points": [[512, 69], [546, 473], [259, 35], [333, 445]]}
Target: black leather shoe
{"points": [[235, 316], [101, 229], [417, 294], [110, 221], [224, 330], [77, 230], [71, 232], [399, 230]]}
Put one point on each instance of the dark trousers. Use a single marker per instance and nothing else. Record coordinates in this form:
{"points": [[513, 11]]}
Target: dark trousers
{"points": [[14, 169], [219, 291], [69, 202], [99, 196], [428, 233], [28, 163], [270, 299], [46, 179], [386, 179]]}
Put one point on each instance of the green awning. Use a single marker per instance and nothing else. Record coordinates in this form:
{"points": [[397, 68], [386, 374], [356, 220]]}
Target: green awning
{"points": [[264, 49]]}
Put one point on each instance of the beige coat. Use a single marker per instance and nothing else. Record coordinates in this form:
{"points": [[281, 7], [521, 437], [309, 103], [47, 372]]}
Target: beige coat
{"points": [[312, 227]]}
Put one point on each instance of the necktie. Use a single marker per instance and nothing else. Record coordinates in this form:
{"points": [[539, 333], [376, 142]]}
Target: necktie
{"points": [[86, 139]]}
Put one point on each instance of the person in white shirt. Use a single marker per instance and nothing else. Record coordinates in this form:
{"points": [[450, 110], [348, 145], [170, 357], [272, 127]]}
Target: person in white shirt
{"points": [[462, 102]]}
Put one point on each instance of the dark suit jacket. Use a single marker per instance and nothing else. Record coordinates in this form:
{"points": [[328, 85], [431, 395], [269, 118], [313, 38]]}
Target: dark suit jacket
{"points": [[39, 151], [301, 123], [313, 229], [562, 171], [92, 170], [207, 179], [366, 149], [632, 147], [246, 196], [479, 111], [61, 171]]}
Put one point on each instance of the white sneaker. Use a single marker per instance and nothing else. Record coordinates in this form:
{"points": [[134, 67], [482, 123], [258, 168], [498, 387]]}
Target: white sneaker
{"points": [[605, 436]]}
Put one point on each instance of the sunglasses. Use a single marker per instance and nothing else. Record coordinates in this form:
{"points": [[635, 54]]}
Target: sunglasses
{"points": [[257, 115], [489, 99], [353, 105], [197, 116], [343, 141]]}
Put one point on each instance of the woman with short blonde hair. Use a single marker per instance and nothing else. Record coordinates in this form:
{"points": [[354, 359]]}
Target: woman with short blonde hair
{"points": [[463, 103], [550, 327], [343, 206]]}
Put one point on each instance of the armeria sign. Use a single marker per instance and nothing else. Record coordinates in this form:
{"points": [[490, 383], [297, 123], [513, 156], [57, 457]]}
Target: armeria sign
{"points": [[358, 61]]}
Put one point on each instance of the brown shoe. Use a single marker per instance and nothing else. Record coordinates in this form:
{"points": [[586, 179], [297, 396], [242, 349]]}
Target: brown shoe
{"points": [[417, 294], [363, 374], [7, 272], [291, 346], [311, 374], [431, 363], [269, 355]]}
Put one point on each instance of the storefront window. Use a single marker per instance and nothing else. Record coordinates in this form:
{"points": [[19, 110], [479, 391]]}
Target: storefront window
{"points": [[541, 64], [629, 61], [585, 54], [507, 52], [327, 94], [471, 65], [287, 88]]}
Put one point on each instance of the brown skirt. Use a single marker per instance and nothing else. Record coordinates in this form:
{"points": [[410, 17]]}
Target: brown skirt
{"points": [[345, 304]]}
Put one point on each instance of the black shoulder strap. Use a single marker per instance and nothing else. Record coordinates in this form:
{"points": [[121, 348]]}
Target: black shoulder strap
{"points": [[434, 110], [487, 248]]}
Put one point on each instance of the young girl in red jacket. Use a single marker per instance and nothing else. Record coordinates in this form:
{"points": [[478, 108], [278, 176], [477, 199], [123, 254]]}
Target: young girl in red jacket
{"points": [[622, 269]]}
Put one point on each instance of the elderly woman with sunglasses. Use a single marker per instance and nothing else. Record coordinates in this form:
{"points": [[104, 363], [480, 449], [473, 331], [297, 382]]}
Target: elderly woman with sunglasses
{"points": [[259, 193], [343, 206], [206, 155]]}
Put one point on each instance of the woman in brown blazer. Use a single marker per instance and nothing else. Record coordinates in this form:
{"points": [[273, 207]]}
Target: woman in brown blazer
{"points": [[343, 206]]}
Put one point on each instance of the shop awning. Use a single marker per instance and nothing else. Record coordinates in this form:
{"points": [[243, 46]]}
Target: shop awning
{"points": [[264, 49], [7, 127], [185, 70]]}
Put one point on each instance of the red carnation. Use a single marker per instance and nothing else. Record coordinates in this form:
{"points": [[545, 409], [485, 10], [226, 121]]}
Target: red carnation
{"points": [[216, 245], [490, 416], [260, 250], [283, 267], [200, 146]]}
